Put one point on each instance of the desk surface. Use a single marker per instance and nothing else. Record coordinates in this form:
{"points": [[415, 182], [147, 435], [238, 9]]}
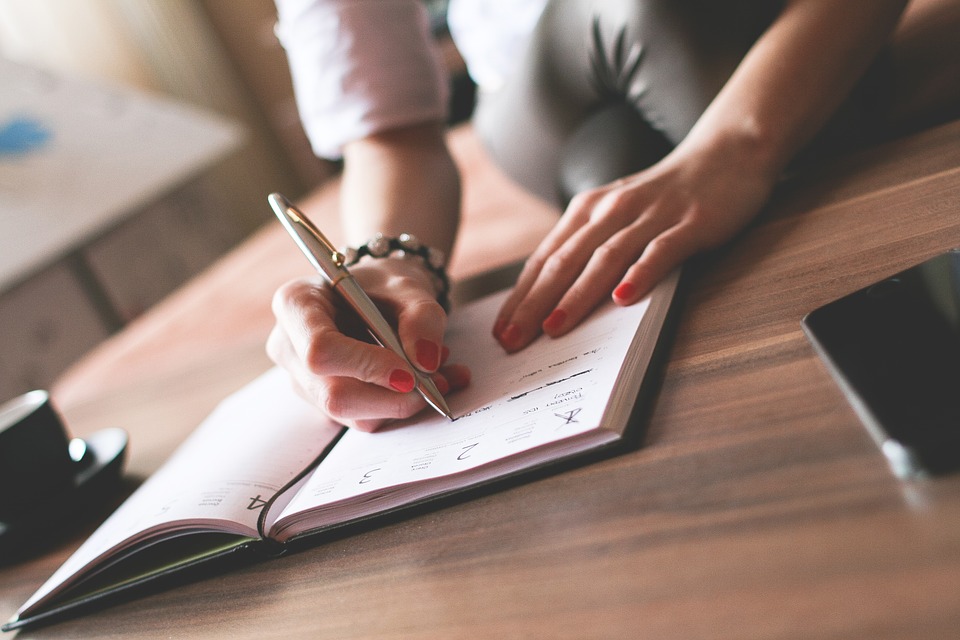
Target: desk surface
{"points": [[757, 508]]}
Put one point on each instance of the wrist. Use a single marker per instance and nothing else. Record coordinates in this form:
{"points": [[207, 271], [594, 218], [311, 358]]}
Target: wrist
{"points": [[405, 247], [746, 144]]}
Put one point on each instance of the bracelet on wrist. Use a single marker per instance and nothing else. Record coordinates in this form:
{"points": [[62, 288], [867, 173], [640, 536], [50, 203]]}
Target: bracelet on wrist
{"points": [[405, 245]]}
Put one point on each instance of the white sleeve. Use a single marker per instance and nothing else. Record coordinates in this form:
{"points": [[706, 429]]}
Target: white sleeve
{"points": [[360, 67]]}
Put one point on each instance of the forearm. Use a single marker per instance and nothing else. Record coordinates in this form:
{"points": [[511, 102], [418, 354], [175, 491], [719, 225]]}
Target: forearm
{"points": [[401, 181], [793, 80]]}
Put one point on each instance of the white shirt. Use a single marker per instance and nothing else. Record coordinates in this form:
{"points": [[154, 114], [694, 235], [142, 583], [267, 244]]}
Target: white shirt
{"points": [[363, 66]]}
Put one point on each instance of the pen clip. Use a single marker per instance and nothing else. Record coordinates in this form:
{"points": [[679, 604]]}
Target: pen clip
{"points": [[326, 257]]}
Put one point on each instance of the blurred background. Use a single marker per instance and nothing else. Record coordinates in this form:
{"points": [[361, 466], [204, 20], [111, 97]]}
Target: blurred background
{"points": [[138, 142]]}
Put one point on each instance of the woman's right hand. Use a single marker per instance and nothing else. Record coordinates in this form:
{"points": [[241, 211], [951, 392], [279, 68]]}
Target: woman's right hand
{"points": [[333, 362]]}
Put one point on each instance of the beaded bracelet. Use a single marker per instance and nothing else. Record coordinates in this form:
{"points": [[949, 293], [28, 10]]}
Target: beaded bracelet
{"points": [[381, 246]]}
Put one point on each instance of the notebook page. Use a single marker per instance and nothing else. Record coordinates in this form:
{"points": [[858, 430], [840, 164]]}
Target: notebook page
{"points": [[552, 390], [250, 446]]}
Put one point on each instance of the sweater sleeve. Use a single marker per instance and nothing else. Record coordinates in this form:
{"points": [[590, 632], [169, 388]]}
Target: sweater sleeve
{"points": [[360, 67]]}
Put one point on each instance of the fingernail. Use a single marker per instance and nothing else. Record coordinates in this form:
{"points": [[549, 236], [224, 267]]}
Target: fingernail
{"points": [[625, 291], [428, 354], [499, 327], [459, 377], [402, 381], [442, 385], [554, 321], [511, 336]]}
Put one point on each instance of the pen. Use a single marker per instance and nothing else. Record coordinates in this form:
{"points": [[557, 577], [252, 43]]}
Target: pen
{"points": [[329, 262]]}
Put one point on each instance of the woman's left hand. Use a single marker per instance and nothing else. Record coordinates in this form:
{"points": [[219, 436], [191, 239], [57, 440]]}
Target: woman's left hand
{"points": [[622, 238]]}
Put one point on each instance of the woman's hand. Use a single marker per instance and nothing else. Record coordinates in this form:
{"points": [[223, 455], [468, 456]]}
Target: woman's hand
{"points": [[395, 181], [332, 361], [622, 238]]}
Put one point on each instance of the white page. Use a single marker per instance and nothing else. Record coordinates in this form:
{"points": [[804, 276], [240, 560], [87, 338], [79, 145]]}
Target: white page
{"points": [[551, 390], [251, 445], [261, 437]]}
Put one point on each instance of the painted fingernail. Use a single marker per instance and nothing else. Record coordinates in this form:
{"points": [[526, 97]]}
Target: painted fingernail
{"points": [[459, 377], [555, 321], [511, 336], [442, 385], [625, 291], [402, 381], [428, 354], [499, 327]]}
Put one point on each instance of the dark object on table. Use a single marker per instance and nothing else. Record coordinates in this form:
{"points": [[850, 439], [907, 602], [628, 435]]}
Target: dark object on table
{"points": [[47, 479], [894, 349]]}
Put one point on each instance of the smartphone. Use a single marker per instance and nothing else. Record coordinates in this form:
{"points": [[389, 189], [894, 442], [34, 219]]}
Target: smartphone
{"points": [[894, 349]]}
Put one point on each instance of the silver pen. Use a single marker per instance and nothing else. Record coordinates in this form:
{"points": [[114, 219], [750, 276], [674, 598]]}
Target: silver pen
{"points": [[329, 262]]}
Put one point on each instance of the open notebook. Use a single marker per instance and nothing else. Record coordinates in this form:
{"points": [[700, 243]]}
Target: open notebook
{"points": [[266, 468]]}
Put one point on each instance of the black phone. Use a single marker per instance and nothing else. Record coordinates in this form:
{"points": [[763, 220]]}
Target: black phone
{"points": [[894, 349]]}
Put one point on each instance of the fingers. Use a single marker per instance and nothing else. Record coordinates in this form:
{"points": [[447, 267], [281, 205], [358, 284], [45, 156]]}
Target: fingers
{"points": [[559, 262], [357, 383], [573, 269], [351, 402], [661, 256], [306, 311], [621, 239], [421, 324], [598, 278], [572, 220], [407, 290], [618, 241]]}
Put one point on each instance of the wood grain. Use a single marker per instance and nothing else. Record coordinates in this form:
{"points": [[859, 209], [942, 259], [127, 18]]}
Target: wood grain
{"points": [[757, 508]]}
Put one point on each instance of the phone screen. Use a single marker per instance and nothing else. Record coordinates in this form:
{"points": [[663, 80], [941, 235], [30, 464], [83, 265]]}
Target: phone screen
{"points": [[894, 348]]}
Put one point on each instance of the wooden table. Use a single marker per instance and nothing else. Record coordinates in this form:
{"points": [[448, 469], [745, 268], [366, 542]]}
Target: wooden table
{"points": [[757, 508]]}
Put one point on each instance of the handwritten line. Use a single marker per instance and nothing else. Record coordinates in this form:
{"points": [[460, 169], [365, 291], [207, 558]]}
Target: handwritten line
{"points": [[549, 384]]}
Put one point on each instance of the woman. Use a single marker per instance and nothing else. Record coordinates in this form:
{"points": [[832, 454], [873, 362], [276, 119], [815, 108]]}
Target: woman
{"points": [[664, 125]]}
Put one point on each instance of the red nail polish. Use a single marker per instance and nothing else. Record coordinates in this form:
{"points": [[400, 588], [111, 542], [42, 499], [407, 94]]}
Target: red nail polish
{"points": [[625, 291], [510, 336], [499, 327], [459, 377], [554, 321], [442, 385], [428, 354], [402, 381]]}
